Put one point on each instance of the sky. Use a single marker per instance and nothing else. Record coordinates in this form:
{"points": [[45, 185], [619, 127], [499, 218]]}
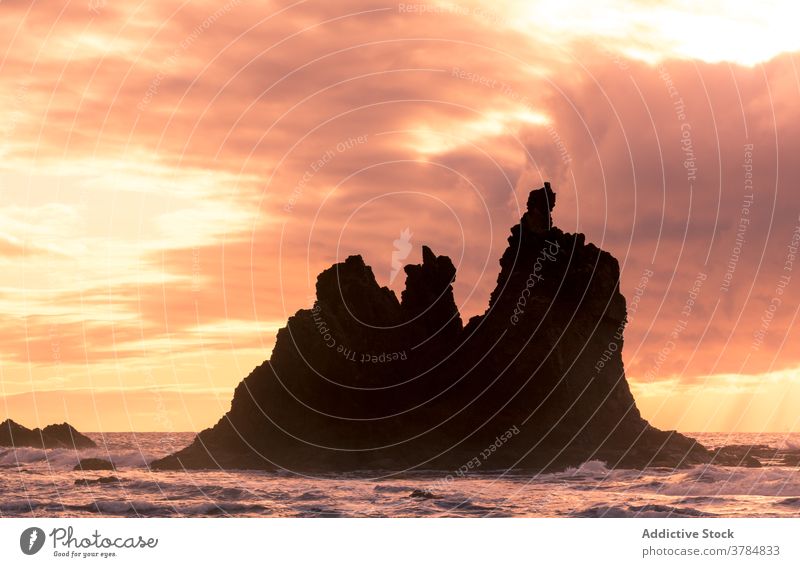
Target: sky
{"points": [[174, 175]]}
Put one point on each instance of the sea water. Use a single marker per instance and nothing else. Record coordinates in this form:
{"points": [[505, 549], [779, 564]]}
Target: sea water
{"points": [[35, 482]]}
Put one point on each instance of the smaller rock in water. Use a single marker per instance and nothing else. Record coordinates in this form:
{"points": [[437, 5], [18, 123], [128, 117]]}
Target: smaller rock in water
{"points": [[791, 460], [743, 455], [100, 480], [94, 465], [425, 494]]}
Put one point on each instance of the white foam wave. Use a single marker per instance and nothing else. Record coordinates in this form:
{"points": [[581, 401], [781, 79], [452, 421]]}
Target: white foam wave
{"points": [[589, 468], [66, 459], [713, 481]]}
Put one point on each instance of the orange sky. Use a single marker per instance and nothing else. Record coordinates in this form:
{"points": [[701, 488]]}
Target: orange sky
{"points": [[174, 176]]}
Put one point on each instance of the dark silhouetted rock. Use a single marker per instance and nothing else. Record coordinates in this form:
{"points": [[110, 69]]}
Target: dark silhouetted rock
{"points": [[93, 464], [538, 218], [744, 455], [364, 381], [791, 460], [756, 456], [423, 494], [61, 436]]}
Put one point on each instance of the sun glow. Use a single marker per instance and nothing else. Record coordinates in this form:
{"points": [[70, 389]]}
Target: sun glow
{"points": [[751, 32], [723, 402]]}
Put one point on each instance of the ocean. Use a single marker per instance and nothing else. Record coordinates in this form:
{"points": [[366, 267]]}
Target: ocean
{"points": [[35, 482]]}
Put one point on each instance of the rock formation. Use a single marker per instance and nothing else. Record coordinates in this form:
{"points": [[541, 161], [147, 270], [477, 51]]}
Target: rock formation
{"points": [[99, 480], [362, 380], [60, 436]]}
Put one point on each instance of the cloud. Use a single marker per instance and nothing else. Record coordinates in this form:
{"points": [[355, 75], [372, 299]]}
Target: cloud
{"points": [[181, 176]]}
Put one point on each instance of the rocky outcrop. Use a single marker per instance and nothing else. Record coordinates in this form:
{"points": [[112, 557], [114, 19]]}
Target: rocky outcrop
{"points": [[100, 480], [61, 435], [362, 380]]}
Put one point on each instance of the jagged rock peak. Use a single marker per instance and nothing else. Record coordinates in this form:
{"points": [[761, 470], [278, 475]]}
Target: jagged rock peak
{"points": [[435, 273], [541, 202], [428, 257], [429, 291], [350, 287]]}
